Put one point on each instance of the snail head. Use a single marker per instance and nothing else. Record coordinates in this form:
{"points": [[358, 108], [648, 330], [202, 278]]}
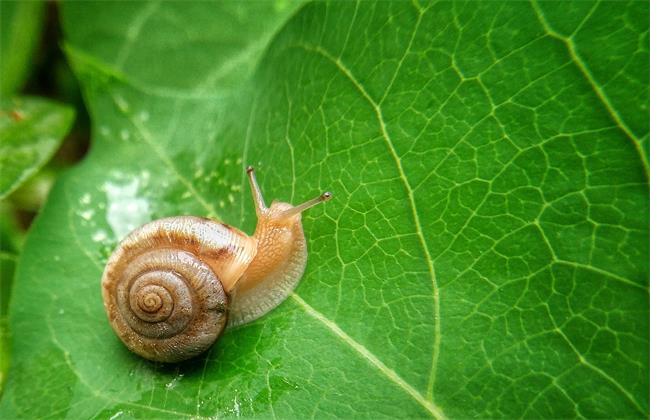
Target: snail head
{"points": [[279, 214], [280, 241]]}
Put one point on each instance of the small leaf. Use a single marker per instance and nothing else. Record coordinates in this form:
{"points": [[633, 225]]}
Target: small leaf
{"points": [[31, 130], [21, 23]]}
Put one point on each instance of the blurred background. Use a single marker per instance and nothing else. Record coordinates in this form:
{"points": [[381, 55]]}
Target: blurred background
{"points": [[32, 66]]}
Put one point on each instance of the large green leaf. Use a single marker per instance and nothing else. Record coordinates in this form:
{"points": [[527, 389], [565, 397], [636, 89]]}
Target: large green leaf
{"points": [[7, 268], [486, 251]]}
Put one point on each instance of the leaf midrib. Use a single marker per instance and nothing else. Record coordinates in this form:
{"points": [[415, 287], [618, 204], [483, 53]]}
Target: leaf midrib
{"points": [[410, 195]]}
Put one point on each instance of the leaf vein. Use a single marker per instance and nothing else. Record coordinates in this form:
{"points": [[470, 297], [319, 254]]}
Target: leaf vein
{"points": [[147, 138], [583, 361], [582, 66], [135, 27], [411, 197], [371, 358]]}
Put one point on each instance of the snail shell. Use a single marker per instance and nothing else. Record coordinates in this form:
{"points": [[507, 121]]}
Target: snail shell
{"points": [[161, 289]]}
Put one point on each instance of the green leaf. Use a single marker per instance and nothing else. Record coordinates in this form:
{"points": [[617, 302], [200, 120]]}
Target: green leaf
{"points": [[21, 23], [7, 269], [31, 130], [486, 251], [11, 237]]}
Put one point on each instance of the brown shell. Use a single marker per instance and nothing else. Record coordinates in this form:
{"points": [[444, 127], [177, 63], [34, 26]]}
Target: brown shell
{"points": [[165, 288]]}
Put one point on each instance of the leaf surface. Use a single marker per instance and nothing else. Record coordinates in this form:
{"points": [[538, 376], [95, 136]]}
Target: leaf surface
{"points": [[485, 253], [7, 268]]}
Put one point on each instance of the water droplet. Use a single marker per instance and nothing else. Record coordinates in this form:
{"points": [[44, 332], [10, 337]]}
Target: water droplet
{"points": [[105, 251], [226, 161], [124, 134], [198, 173], [231, 198], [117, 415], [57, 258], [222, 204], [239, 161], [61, 311], [87, 214], [126, 209], [122, 104], [104, 131], [85, 199], [144, 116], [99, 236], [174, 382]]}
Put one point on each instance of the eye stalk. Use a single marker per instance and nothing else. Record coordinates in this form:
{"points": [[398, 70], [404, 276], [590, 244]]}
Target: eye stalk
{"points": [[260, 206], [308, 204], [258, 199]]}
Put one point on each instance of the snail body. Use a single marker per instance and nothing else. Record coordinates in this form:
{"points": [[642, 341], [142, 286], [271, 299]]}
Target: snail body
{"points": [[173, 285]]}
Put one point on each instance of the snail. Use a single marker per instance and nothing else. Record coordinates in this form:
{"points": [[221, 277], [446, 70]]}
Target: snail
{"points": [[173, 285]]}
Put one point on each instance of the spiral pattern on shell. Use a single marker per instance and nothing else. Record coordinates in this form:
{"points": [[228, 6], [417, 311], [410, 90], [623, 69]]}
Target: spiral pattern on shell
{"points": [[161, 291]]}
